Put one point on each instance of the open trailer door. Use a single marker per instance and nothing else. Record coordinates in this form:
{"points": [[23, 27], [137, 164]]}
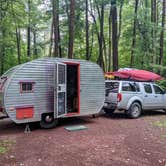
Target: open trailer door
{"points": [[60, 90]]}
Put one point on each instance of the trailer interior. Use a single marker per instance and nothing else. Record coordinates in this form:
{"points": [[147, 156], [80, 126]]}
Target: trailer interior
{"points": [[73, 79]]}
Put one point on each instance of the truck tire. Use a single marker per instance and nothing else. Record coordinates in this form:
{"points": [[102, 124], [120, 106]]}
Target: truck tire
{"points": [[164, 110], [48, 121], [135, 110], [109, 111]]}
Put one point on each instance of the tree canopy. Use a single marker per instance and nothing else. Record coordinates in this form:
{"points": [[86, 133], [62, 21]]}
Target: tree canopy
{"points": [[112, 33]]}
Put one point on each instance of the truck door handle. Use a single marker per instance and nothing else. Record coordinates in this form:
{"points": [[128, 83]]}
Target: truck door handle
{"points": [[59, 88], [146, 95], [155, 96]]}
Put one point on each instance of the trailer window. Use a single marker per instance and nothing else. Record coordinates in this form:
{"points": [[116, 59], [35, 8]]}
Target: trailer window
{"points": [[26, 87]]}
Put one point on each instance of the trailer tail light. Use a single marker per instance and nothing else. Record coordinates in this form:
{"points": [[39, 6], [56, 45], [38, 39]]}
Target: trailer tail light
{"points": [[119, 97], [24, 112]]}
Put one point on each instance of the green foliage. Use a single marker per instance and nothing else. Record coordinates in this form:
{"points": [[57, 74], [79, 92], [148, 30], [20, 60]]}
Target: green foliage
{"points": [[14, 15], [162, 84], [161, 123], [5, 145]]}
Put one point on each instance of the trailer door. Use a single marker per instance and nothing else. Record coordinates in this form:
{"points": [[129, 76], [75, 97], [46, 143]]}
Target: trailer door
{"points": [[60, 90]]}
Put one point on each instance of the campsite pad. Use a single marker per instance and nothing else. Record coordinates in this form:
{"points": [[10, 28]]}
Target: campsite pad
{"points": [[75, 128]]}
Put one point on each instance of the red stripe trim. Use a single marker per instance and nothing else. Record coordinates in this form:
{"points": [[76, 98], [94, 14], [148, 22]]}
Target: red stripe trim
{"points": [[71, 63], [27, 81], [25, 106]]}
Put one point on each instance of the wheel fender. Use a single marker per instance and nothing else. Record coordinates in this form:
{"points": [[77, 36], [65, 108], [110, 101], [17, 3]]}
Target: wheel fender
{"points": [[133, 99]]}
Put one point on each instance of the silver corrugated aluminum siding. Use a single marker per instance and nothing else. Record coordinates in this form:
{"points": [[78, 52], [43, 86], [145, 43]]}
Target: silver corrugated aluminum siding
{"points": [[41, 72]]}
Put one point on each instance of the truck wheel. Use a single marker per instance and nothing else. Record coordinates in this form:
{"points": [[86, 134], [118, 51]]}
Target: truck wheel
{"points": [[164, 110], [109, 111], [48, 121], [134, 110]]}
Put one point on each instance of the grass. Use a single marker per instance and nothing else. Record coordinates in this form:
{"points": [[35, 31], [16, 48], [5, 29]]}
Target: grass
{"points": [[161, 123], [163, 136], [5, 145]]}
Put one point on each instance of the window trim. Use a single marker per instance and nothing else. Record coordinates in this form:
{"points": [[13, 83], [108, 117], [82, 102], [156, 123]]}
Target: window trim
{"points": [[26, 82]]}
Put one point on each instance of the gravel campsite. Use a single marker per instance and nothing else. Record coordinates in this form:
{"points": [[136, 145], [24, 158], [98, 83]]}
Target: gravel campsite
{"points": [[108, 140]]}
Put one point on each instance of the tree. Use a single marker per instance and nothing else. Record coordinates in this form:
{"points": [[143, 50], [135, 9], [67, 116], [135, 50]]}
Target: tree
{"points": [[154, 31], [29, 30], [109, 39], [101, 34], [87, 30], [162, 33], [114, 35], [71, 29], [134, 34], [55, 4]]}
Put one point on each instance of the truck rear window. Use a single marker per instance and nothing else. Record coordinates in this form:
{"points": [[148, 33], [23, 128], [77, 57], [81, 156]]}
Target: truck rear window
{"points": [[130, 87], [111, 87]]}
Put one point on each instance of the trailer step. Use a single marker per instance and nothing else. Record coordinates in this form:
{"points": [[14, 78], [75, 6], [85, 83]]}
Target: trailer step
{"points": [[75, 128]]}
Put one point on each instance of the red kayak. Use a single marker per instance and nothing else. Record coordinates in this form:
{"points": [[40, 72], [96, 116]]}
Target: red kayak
{"points": [[135, 74]]}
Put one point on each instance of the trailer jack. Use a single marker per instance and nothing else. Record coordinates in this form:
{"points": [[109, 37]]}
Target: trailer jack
{"points": [[27, 129]]}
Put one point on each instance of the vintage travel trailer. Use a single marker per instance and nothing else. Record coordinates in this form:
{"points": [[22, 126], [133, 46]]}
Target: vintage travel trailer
{"points": [[50, 88]]}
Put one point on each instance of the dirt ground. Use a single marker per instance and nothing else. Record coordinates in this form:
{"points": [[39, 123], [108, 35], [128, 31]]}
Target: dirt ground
{"points": [[109, 141]]}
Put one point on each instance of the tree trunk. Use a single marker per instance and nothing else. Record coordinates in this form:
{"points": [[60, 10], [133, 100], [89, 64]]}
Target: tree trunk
{"points": [[59, 39], [120, 18], [114, 35], [55, 5], [87, 31], [35, 53], [2, 60], [109, 36], [29, 31], [2, 51], [92, 41], [101, 39], [51, 40], [162, 33], [71, 29], [153, 33], [134, 34], [18, 38]]}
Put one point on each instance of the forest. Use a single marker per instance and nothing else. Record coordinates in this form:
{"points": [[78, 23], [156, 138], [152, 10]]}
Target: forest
{"points": [[111, 33]]}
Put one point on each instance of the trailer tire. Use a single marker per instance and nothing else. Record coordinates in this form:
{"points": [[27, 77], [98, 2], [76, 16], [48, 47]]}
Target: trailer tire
{"points": [[48, 121]]}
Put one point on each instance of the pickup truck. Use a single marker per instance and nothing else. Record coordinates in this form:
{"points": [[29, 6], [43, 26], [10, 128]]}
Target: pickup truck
{"points": [[133, 97]]}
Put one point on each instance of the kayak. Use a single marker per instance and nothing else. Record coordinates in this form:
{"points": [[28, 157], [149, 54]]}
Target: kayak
{"points": [[135, 74]]}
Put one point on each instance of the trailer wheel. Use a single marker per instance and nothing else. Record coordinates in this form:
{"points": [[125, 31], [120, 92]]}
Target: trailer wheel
{"points": [[164, 110], [48, 121]]}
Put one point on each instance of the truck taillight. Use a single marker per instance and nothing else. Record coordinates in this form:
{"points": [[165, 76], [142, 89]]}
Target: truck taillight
{"points": [[119, 97], [1, 109]]}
